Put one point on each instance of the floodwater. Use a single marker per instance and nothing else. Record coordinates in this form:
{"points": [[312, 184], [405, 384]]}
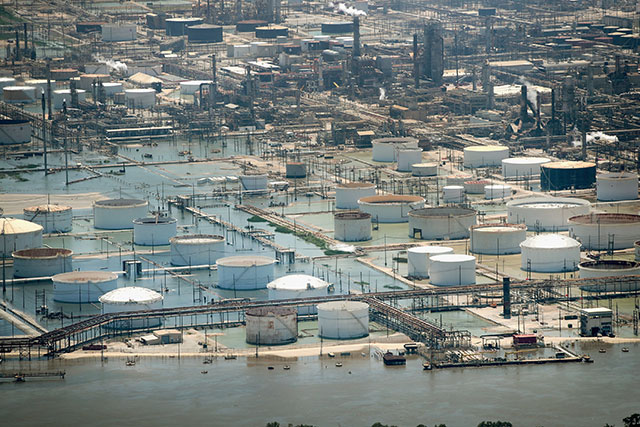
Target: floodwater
{"points": [[314, 391]]}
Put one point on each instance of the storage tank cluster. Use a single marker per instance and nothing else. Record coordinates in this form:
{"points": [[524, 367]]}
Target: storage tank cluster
{"points": [[271, 325], [17, 234], [452, 270], [602, 231], [41, 262], [419, 259], [424, 169], [348, 194], [343, 319], [497, 239], [298, 286], [196, 249], [617, 186], [53, 218], [352, 226], [391, 208], [15, 132], [118, 214], [441, 223], [550, 253], [567, 175], [386, 149], [83, 286], [154, 231], [545, 213], [245, 272], [484, 155], [523, 167]]}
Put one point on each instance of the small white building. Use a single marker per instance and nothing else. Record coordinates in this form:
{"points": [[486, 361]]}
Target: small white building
{"points": [[595, 321]]}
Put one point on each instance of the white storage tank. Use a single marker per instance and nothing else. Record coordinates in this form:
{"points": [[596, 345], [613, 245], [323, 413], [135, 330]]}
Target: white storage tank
{"points": [[83, 286], [15, 131], [196, 249], [243, 273], [452, 270], [19, 94], [343, 320], [352, 226], [419, 259], [118, 32], [140, 98], [298, 286], [347, 195], [390, 208], [192, 86], [111, 88], [497, 191], [497, 239], [485, 155], [445, 222], [617, 186], [522, 167], [610, 268], [545, 213], [424, 169], [550, 253], [271, 325], [601, 231], [154, 231], [118, 214], [132, 298], [254, 182], [53, 218], [385, 149], [41, 262], [453, 194], [62, 96], [17, 234], [407, 157]]}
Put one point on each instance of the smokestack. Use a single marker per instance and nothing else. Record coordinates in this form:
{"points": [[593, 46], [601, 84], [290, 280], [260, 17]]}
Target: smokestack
{"points": [[26, 38], [49, 88], [356, 36], [416, 77], [553, 104], [17, 45], [214, 65], [523, 103]]}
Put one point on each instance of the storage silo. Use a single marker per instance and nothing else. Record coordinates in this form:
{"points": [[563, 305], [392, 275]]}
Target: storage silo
{"points": [[196, 249], [204, 33], [546, 213], [424, 169], [453, 194], [550, 253], [419, 259], [17, 234], [83, 286], [53, 218], [296, 170], [298, 286], [191, 87], [497, 239], [617, 186], [497, 191], [132, 298], [352, 226], [118, 214], [271, 325], [140, 98], [15, 131], [254, 182], [41, 262], [484, 155], [62, 97], [243, 273], [343, 320], [445, 222], [407, 157], [452, 270], [522, 167], [567, 175], [602, 231], [19, 94], [154, 231], [386, 149], [390, 208], [348, 194]]}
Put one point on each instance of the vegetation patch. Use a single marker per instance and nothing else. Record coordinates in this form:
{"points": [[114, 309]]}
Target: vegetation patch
{"points": [[256, 218]]}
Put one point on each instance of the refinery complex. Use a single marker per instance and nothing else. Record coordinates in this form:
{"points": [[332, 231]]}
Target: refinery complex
{"points": [[405, 190]]}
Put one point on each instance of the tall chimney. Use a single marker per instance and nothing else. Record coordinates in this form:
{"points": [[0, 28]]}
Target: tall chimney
{"points": [[356, 36], [416, 76]]}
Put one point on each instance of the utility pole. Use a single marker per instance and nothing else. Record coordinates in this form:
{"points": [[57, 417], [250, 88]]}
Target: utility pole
{"points": [[44, 135]]}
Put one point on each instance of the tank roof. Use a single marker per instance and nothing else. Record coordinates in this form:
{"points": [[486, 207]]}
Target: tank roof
{"points": [[568, 164], [343, 306], [356, 185], [498, 227], [18, 226], [47, 208], [155, 220], [391, 198], [486, 148], [85, 276], [622, 176], [605, 218], [195, 239], [610, 264], [525, 160], [453, 258], [352, 215], [42, 253], [550, 241], [548, 202], [245, 261], [430, 249], [297, 282], [443, 211], [394, 140], [424, 165], [274, 311], [120, 202], [131, 295]]}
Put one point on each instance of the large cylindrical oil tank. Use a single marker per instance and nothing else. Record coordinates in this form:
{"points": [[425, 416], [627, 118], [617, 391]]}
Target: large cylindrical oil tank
{"points": [[545, 213], [407, 157], [118, 32], [617, 186], [424, 169], [62, 97], [196, 249], [608, 268], [111, 88], [484, 155], [178, 26], [391, 207], [497, 239], [192, 86], [441, 223], [352, 226], [452, 270], [600, 231], [204, 33], [550, 253], [453, 194], [249, 26], [497, 191], [347, 195], [15, 131], [296, 170], [522, 167], [271, 32], [271, 325], [343, 319], [385, 149], [19, 94], [41, 262], [567, 175], [17, 234], [118, 214], [154, 231], [132, 298], [298, 286], [53, 218], [83, 286], [337, 27], [475, 187], [245, 272], [419, 259], [254, 182], [140, 98]]}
